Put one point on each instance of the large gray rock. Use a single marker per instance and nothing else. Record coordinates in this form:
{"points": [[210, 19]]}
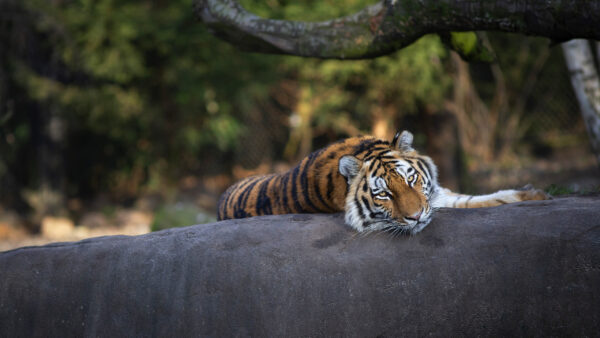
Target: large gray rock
{"points": [[527, 269]]}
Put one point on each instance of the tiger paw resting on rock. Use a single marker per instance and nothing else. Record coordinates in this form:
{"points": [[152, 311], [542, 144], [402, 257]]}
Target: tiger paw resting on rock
{"points": [[380, 186]]}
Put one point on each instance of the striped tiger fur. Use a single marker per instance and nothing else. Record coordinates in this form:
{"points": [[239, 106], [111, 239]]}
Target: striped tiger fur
{"points": [[380, 185]]}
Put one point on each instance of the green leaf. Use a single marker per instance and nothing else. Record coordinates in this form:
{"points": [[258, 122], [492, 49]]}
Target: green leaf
{"points": [[468, 45]]}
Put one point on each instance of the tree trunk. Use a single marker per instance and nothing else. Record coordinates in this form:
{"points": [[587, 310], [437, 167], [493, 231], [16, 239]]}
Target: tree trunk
{"points": [[522, 269], [390, 25], [586, 84]]}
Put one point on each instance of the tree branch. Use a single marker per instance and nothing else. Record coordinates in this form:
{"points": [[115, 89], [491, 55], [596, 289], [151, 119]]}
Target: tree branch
{"points": [[390, 25], [586, 85], [522, 269]]}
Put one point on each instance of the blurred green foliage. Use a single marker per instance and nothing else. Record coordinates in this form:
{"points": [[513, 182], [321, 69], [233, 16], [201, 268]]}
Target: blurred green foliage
{"points": [[468, 45], [557, 190], [179, 215], [146, 93], [140, 85], [561, 190]]}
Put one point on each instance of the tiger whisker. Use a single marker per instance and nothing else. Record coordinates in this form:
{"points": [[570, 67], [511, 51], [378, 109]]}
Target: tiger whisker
{"points": [[365, 233], [399, 232]]}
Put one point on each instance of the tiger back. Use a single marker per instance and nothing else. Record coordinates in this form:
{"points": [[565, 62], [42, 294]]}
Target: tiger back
{"points": [[313, 185]]}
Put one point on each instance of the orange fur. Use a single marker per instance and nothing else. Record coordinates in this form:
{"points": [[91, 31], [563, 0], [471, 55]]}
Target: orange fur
{"points": [[314, 185]]}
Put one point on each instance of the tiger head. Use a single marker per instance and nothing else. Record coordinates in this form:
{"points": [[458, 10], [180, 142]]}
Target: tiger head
{"points": [[390, 189]]}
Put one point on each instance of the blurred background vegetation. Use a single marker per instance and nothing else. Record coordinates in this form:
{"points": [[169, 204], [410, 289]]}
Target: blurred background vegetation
{"points": [[112, 105]]}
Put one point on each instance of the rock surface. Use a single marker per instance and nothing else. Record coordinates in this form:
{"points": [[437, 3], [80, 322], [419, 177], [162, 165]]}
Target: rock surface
{"points": [[526, 269]]}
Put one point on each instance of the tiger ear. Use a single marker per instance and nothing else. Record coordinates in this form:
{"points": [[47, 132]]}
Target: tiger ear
{"points": [[403, 141], [349, 166]]}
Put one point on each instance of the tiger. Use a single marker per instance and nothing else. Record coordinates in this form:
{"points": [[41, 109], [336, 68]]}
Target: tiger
{"points": [[380, 185]]}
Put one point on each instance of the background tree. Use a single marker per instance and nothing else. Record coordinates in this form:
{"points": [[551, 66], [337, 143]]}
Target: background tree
{"points": [[387, 26], [586, 83]]}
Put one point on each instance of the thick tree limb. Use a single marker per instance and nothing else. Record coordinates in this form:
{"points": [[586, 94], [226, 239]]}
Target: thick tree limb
{"points": [[391, 25], [521, 269]]}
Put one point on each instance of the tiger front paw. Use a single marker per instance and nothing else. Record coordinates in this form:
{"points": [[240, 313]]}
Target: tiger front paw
{"points": [[529, 193]]}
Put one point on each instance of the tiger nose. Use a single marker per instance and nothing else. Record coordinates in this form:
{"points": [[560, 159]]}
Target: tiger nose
{"points": [[416, 216]]}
